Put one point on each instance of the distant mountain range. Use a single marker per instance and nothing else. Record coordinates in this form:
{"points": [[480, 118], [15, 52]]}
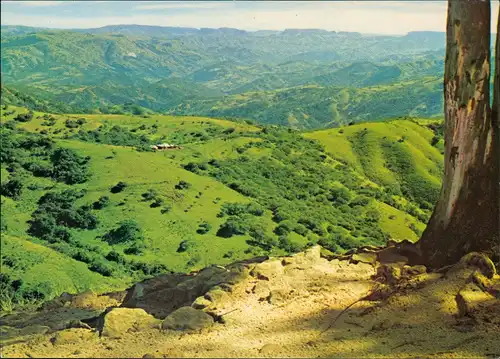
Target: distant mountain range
{"points": [[228, 72]]}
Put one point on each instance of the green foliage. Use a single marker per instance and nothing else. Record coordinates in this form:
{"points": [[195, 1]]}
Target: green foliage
{"points": [[56, 213], [12, 188], [69, 167], [182, 185], [308, 79], [24, 117], [101, 203], [204, 228], [116, 135], [119, 187], [127, 231]]}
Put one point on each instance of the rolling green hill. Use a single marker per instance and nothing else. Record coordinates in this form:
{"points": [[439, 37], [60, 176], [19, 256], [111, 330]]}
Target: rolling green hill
{"points": [[227, 73], [87, 193]]}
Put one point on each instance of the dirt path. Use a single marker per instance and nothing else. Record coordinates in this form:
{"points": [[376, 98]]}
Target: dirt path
{"points": [[284, 312]]}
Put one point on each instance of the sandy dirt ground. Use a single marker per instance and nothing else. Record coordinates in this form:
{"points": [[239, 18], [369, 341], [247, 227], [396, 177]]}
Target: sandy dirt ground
{"points": [[289, 310]]}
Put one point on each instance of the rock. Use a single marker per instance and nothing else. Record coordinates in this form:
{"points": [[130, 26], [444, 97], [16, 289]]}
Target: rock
{"points": [[270, 349], [325, 253], [217, 295], [471, 299], [201, 303], [86, 299], [149, 355], [480, 261], [414, 270], [73, 336], [121, 320], [390, 274], [34, 330], [310, 256], [391, 255], [187, 318], [261, 289], [267, 270], [63, 300], [278, 296], [366, 257]]}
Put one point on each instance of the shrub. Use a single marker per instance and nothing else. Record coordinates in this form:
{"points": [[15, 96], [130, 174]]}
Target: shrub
{"points": [[300, 229], [127, 231], [119, 187], [114, 256], [158, 202], [12, 188], [57, 209], [233, 226], [135, 249], [283, 228], [204, 228], [182, 185], [101, 267], [25, 117], [183, 246], [166, 209], [101, 202], [149, 195], [71, 123], [287, 245], [69, 167]]}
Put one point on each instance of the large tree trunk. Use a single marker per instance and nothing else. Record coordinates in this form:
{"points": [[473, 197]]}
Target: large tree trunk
{"points": [[466, 217]]}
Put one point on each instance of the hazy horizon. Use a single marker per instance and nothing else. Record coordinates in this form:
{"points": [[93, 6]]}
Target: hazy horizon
{"points": [[366, 17]]}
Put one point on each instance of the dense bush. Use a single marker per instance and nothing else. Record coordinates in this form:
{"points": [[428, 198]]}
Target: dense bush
{"points": [[119, 187], [233, 226], [203, 228], [56, 212], [127, 231], [69, 167], [12, 188], [236, 209], [24, 117], [182, 185], [101, 202]]}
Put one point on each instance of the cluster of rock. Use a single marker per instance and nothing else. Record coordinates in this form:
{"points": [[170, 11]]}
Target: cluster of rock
{"points": [[198, 300]]}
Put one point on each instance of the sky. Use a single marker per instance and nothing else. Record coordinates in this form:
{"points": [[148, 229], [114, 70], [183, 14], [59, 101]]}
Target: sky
{"points": [[369, 17]]}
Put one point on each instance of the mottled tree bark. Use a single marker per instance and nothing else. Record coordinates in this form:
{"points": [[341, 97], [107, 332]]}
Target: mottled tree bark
{"points": [[466, 217]]}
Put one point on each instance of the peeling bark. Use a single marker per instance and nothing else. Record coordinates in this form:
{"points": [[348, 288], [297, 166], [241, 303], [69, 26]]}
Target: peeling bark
{"points": [[466, 217]]}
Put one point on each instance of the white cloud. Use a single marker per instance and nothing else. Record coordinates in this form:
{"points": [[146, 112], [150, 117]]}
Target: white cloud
{"points": [[364, 17], [182, 5], [40, 3]]}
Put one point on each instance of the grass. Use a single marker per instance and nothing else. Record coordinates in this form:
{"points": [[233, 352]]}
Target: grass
{"points": [[373, 157]]}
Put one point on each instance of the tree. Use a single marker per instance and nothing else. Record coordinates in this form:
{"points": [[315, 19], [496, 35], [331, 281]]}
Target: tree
{"points": [[466, 216]]}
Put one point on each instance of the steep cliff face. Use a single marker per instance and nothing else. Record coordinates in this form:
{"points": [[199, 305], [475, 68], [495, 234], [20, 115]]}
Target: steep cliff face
{"points": [[368, 303]]}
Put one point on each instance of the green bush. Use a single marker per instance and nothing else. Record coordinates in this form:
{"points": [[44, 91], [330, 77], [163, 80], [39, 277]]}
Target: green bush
{"points": [[25, 117], [119, 187], [56, 210], [204, 228], [12, 188], [127, 231], [233, 226], [69, 167], [183, 246], [149, 194], [101, 203], [182, 185]]}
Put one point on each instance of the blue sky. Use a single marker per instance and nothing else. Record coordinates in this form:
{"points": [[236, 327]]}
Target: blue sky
{"points": [[375, 17]]}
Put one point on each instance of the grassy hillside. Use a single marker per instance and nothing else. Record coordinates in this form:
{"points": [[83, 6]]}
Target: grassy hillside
{"points": [[227, 73], [233, 190]]}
